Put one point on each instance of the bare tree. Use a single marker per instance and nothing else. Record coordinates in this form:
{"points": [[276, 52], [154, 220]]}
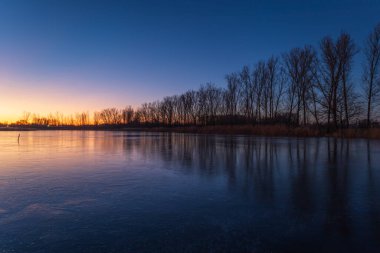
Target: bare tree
{"points": [[111, 116], [280, 89], [346, 51], [82, 119], [127, 115], [167, 110], [372, 71], [300, 64], [336, 64], [25, 118], [247, 92], [272, 68], [331, 70], [232, 95], [213, 102], [257, 91], [191, 105], [97, 118]]}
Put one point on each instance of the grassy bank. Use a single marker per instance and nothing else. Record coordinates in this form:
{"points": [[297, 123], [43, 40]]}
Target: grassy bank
{"points": [[259, 130], [276, 130]]}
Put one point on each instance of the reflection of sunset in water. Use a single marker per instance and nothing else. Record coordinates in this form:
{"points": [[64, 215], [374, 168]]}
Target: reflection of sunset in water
{"points": [[124, 188]]}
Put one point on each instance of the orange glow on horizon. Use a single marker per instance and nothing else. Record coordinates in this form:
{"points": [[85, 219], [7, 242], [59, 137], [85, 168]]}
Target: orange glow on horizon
{"points": [[43, 99]]}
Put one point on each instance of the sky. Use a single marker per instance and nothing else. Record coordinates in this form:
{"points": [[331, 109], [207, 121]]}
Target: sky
{"points": [[82, 55]]}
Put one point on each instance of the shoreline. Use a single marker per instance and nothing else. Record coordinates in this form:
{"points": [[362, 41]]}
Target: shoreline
{"points": [[256, 130]]}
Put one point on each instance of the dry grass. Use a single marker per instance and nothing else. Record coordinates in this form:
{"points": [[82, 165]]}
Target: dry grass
{"points": [[372, 133], [274, 130], [259, 130], [262, 130]]}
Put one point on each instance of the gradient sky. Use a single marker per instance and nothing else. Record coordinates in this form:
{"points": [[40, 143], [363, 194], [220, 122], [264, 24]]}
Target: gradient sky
{"points": [[73, 56]]}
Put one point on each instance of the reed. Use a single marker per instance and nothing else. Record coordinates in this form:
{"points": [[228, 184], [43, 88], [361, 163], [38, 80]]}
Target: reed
{"points": [[272, 130]]}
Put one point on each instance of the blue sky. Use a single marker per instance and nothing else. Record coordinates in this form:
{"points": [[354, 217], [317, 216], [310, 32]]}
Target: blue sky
{"points": [[85, 55]]}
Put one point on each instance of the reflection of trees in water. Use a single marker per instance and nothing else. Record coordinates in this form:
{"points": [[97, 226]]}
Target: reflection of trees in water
{"points": [[309, 177], [351, 191], [303, 155], [231, 159], [259, 157], [373, 192], [337, 187]]}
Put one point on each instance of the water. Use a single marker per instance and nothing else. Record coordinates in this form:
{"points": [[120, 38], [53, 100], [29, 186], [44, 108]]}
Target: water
{"points": [[72, 191]]}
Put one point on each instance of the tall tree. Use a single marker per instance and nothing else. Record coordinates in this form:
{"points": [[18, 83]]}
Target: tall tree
{"points": [[300, 66], [372, 71], [336, 65], [232, 94], [346, 51], [331, 70], [246, 92]]}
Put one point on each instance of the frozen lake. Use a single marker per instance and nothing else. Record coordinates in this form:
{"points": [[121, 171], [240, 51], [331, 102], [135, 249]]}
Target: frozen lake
{"points": [[93, 191]]}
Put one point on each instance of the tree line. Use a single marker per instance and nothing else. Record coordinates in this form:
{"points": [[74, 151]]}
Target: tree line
{"points": [[307, 86]]}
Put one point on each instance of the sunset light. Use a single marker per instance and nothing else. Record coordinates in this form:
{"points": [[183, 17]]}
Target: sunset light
{"points": [[142, 126]]}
